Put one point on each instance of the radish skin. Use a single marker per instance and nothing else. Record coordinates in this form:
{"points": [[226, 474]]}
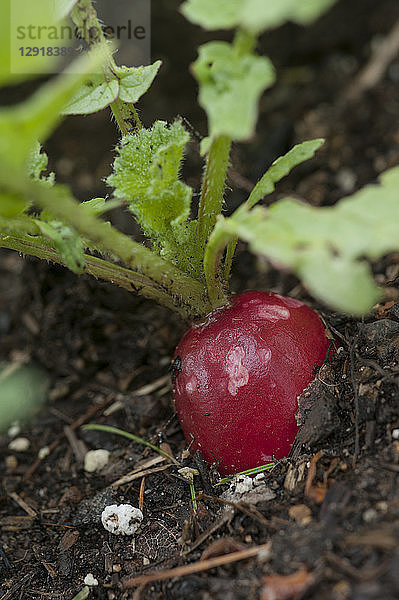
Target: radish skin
{"points": [[240, 374]]}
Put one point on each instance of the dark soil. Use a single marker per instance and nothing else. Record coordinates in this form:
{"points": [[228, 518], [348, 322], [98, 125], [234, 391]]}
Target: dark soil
{"points": [[334, 518]]}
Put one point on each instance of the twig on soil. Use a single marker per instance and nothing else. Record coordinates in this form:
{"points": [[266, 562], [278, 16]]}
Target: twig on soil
{"points": [[314, 493], [345, 567], [20, 583], [356, 401], [141, 470], [225, 518], [247, 509], [197, 567], [141, 495], [4, 558], [373, 72], [22, 504], [78, 446], [383, 539], [91, 411]]}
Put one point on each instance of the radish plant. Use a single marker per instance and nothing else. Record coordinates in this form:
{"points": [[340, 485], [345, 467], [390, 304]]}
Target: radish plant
{"points": [[187, 266]]}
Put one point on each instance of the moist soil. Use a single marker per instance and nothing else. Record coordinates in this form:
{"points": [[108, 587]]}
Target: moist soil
{"points": [[328, 514]]}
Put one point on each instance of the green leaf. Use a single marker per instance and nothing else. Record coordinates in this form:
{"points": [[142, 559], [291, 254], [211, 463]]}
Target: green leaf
{"points": [[135, 81], [94, 95], [281, 167], [16, 17], [253, 15], [327, 247], [99, 206], [67, 242], [231, 84], [34, 119], [12, 205], [37, 163], [146, 176], [128, 84], [23, 392], [64, 7], [211, 15]]}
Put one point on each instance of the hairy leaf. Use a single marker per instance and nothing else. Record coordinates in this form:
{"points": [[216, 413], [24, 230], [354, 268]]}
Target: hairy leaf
{"points": [[37, 164], [281, 167], [135, 81], [327, 246], [68, 243], [223, 75], [128, 84], [254, 15], [146, 176], [99, 206], [94, 95]]}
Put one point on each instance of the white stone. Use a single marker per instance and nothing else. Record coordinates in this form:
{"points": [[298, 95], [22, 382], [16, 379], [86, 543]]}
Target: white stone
{"points": [[14, 430], [395, 434], [43, 452], [249, 489], [121, 519], [95, 460], [19, 444], [90, 579]]}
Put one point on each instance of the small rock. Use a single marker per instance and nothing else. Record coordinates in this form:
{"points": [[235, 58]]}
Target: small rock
{"points": [[95, 460], [301, 514], [43, 452], [19, 444], [122, 519], [369, 515], [248, 489], [90, 580], [11, 462], [14, 430]]}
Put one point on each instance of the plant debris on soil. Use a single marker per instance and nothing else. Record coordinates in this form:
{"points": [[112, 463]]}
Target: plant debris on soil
{"points": [[323, 523]]}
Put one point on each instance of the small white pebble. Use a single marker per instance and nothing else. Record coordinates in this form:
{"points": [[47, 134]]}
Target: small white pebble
{"points": [[395, 434], [43, 452], [121, 519], [19, 444], [90, 579], [14, 430], [369, 515], [95, 460]]}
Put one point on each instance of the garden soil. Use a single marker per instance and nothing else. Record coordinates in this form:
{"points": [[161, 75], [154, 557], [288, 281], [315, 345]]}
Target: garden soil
{"points": [[325, 522]]}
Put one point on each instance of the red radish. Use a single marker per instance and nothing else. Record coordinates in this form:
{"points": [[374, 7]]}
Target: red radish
{"points": [[237, 377]]}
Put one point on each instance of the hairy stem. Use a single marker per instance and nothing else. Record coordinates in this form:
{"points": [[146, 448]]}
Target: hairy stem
{"points": [[57, 201], [211, 201], [214, 250], [85, 18], [102, 269]]}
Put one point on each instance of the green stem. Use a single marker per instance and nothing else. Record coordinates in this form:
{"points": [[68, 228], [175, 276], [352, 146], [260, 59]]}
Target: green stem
{"points": [[134, 438], [211, 201], [97, 267], [185, 292], [85, 18], [228, 261], [244, 43], [218, 240]]}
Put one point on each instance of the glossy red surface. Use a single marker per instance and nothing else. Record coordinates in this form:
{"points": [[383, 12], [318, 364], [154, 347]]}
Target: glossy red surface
{"points": [[240, 375]]}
